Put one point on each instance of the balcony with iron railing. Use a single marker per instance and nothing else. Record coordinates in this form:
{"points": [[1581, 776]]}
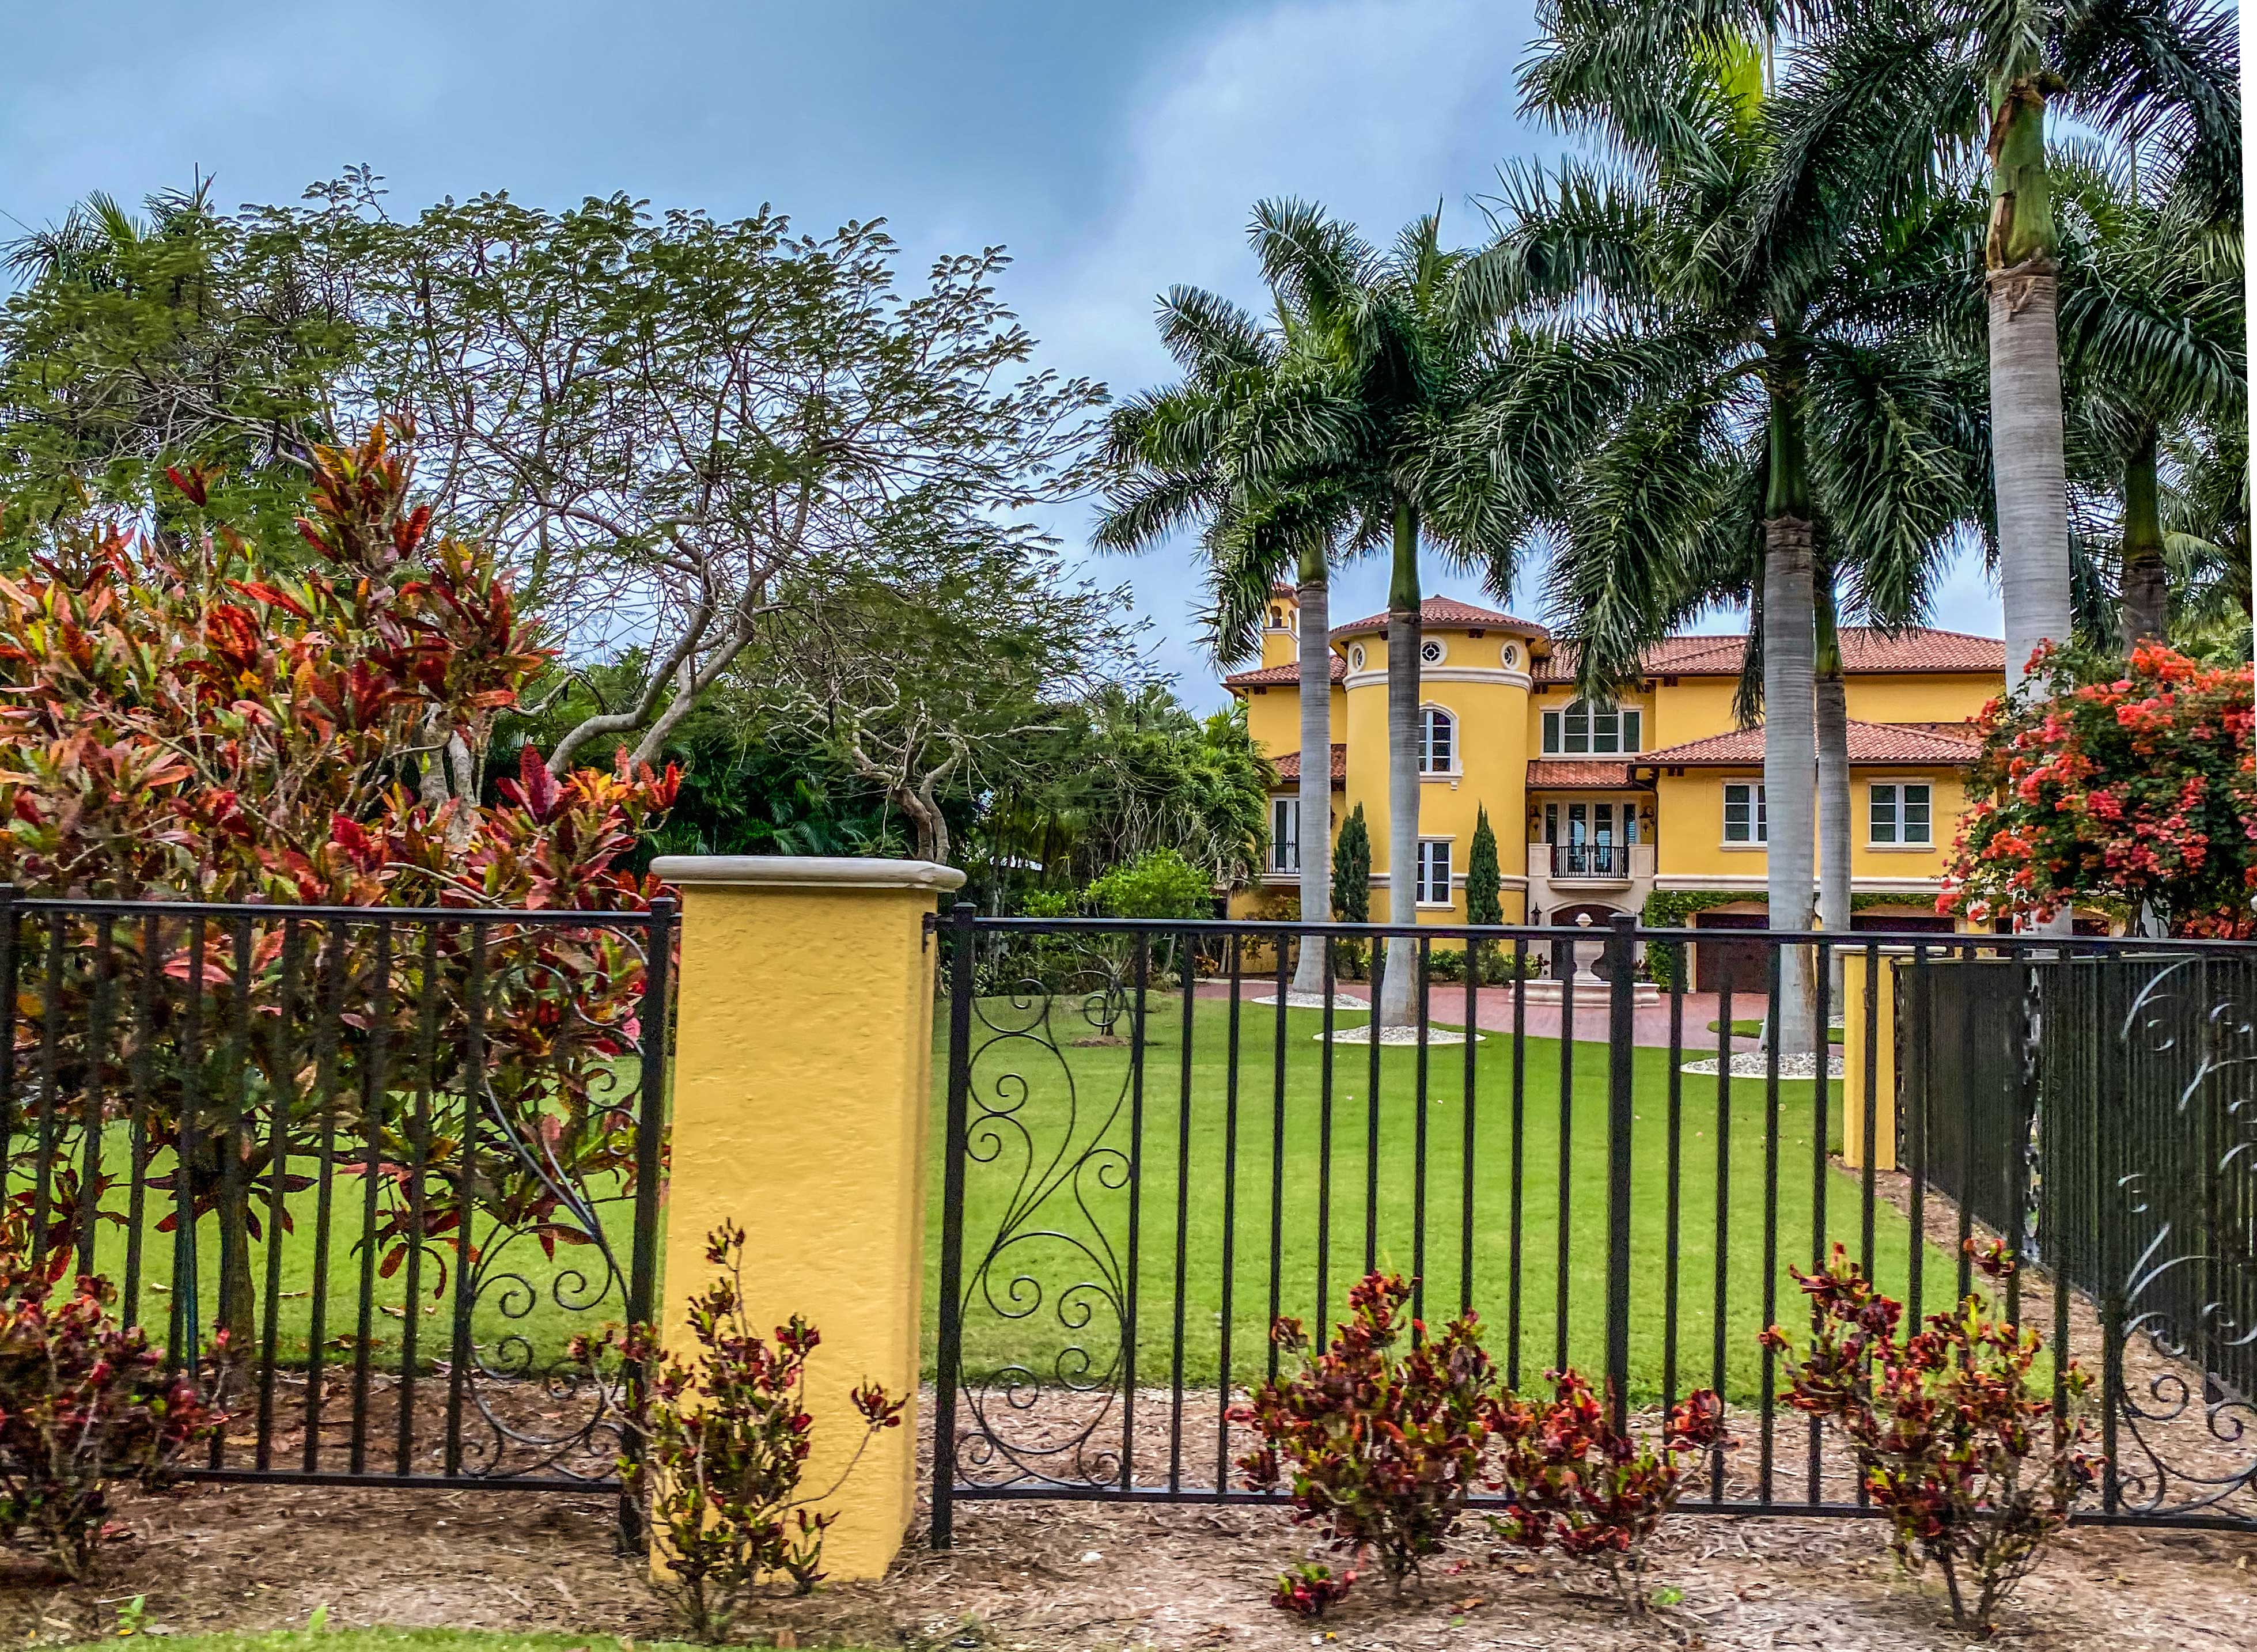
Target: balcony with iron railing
{"points": [[1603, 862]]}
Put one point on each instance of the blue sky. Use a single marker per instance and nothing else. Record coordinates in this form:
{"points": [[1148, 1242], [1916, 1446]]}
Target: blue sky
{"points": [[1114, 146]]}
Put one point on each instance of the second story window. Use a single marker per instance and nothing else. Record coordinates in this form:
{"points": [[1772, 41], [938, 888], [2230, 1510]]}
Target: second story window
{"points": [[1438, 742], [1743, 813], [1590, 728], [1284, 834], [1902, 813]]}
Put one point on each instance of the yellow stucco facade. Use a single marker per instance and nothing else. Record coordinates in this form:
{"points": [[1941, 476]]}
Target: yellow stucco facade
{"points": [[1595, 807]]}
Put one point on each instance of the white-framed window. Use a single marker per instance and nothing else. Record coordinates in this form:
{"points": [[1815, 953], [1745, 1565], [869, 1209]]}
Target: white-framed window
{"points": [[1744, 819], [1284, 834], [1355, 657], [1431, 652], [1438, 741], [1588, 728], [1903, 812], [1433, 872]]}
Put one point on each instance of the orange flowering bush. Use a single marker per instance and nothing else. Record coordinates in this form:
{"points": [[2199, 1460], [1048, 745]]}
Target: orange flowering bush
{"points": [[189, 714], [2134, 786]]}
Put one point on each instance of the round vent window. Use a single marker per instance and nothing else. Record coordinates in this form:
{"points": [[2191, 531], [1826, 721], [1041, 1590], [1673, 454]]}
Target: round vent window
{"points": [[1511, 654], [1431, 652], [1355, 657]]}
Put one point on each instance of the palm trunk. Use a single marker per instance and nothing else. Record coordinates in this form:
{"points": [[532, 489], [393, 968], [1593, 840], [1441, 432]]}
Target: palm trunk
{"points": [[1790, 742], [1831, 715], [2029, 472], [2145, 598], [1316, 769], [1399, 991]]}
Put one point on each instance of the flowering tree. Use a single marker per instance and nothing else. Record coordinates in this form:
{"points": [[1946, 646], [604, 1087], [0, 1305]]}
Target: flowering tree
{"points": [[190, 714], [2101, 782]]}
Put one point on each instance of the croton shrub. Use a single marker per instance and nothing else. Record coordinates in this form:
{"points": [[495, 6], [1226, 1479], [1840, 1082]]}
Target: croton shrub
{"points": [[1955, 1428], [720, 1445], [2132, 785], [190, 712], [86, 1406]]}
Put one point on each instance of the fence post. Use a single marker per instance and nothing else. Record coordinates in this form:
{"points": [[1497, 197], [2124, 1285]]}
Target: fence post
{"points": [[801, 1076], [1869, 1057], [1621, 955]]}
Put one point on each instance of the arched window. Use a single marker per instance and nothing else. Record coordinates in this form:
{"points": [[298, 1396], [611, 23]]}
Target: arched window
{"points": [[1592, 728], [1438, 741]]}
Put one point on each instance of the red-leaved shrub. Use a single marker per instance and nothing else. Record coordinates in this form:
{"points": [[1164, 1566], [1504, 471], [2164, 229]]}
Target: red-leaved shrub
{"points": [[1958, 1440], [1310, 1589], [85, 1406], [724, 1444], [1385, 1430], [1597, 1495]]}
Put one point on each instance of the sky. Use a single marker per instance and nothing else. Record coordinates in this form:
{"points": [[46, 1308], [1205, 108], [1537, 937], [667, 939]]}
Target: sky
{"points": [[1114, 146]]}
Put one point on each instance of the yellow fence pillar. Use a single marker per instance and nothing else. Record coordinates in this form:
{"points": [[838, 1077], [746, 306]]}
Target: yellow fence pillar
{"points": [[1881, 1058], [801, 1072]]}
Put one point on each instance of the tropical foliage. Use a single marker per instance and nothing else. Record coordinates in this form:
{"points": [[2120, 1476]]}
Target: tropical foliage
{"points": [[2132, 785]]}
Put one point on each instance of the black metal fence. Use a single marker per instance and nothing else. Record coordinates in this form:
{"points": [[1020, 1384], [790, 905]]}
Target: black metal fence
{"points": [[368, 1170], [1153, 1149]]}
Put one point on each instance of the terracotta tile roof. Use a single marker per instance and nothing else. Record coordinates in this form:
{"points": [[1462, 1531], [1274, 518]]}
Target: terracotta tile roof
{"points": [[1289, 767], [1576, 774], [1289, 674], [1445, 613], [1869, 743], [1864, 652]]}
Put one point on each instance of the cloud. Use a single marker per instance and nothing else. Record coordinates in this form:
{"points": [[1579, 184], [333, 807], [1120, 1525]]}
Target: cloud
{"points": [[1377, 109]]}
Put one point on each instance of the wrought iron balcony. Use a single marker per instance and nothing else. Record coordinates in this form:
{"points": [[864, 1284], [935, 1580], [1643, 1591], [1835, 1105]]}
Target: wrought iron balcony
{"points": [[1590, 863]]}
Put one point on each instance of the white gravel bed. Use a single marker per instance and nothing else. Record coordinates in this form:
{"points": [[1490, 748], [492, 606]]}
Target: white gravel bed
{"points": [[1756, 1063]]}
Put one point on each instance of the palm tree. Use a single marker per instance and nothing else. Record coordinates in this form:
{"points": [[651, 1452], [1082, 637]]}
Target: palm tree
{"points": [[2153, 348], [1415, 421], [1789, 415], [1916, 89]]}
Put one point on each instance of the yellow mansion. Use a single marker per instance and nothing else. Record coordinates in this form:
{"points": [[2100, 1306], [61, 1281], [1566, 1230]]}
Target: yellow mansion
{"points": [[1660, 791]]}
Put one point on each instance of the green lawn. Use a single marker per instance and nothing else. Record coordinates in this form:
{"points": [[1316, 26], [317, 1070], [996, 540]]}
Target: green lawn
{"points": [[1070, 1229], [1754, 1030]]}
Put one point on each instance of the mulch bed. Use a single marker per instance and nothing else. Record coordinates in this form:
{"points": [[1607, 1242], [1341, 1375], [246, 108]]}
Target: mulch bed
{"points": [[1053, 1577]]}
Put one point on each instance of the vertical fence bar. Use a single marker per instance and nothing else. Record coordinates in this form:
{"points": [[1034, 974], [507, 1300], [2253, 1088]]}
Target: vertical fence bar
{"points": [[948, 1376], [1141, 977], [329, 1016], [1563, 954], [1671, 1240], [187, 1334], [1621, 947], [51, 1038], [1821, 1120], [283, 1102], [1277, 1158], [1324, 1152], [655, 1022], [1474, 955], [1230, 1228], [1424, 987], [1378, 974], [138, 1076], [1963, 995], [1724, 1240], [375, 1092], [1519, 1189], [1183, 1223], [94, 1107], [1869, 1132], [1768, 1399], [234, 1196], [1923, 1008], [2014, 1161], [472, 1083], [427, 1070]]}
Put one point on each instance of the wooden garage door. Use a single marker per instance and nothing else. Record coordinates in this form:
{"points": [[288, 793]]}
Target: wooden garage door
{"points": [[1739, 966]]}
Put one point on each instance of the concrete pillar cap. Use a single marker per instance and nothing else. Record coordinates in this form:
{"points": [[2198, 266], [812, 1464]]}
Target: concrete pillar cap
{"points": [[806, 871]]}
